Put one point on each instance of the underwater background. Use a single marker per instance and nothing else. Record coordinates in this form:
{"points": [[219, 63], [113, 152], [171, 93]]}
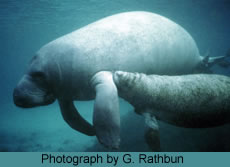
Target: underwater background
{"points": [[27, 25]]}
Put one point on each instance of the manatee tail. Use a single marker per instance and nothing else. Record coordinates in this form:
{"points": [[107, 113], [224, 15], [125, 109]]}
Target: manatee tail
{"points": [[220, 60], [208, 62]]}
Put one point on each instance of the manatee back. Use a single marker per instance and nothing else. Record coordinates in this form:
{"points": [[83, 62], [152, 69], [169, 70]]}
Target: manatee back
{"points": [[132, 41], [136, 42]]}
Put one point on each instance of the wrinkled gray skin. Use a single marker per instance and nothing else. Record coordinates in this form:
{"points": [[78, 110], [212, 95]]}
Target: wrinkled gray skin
{"points": [[192, 101], [67, 68]]}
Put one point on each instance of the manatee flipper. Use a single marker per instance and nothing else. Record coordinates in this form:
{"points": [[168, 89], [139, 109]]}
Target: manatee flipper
{"points": [[151, 121], [152, 135], [106, 116], [74, 119]]}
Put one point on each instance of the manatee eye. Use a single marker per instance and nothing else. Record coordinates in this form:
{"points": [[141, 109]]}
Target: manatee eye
{"points": [[38, 76], [40, 79]]}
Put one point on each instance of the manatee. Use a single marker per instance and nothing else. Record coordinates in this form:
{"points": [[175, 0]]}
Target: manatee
{"points": [[190, 101], [68, 68]]}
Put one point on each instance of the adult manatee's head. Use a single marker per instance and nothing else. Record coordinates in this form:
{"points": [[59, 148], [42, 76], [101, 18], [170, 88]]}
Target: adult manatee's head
{"points": [[34, 89], [48, 78]]}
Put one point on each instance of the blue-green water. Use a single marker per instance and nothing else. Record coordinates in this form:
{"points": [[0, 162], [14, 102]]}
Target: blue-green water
{"points": [[27, 25]]}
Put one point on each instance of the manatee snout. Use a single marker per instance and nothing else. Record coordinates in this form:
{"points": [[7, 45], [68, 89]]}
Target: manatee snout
{"points": [[19, 98], [29, 94], [119, 78], [125, 81]]}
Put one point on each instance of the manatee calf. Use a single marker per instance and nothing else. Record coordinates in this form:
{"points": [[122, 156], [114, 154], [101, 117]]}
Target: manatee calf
{"points": [[192, 101], [67, 68]]}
